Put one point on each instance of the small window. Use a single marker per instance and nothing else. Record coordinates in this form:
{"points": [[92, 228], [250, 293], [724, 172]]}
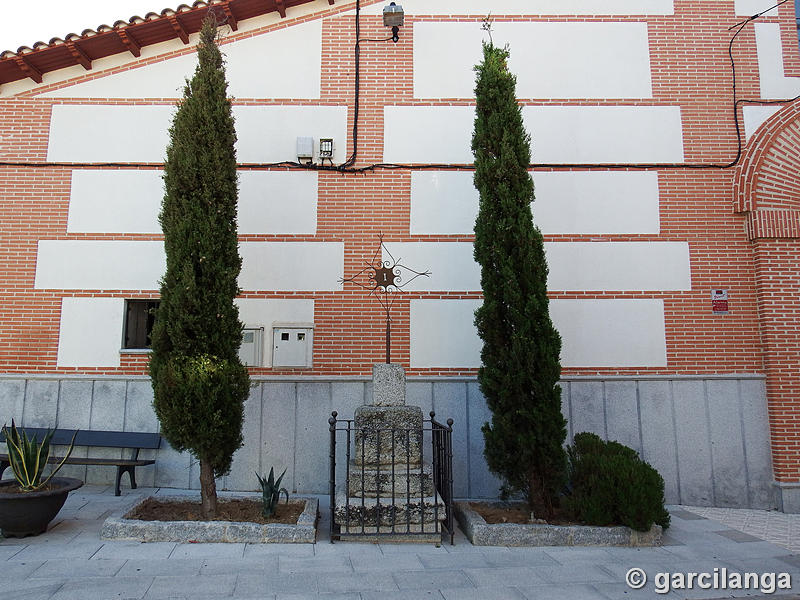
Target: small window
{"points": [[139, 318]]}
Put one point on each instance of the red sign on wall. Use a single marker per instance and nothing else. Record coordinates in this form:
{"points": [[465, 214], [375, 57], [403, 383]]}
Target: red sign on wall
{"points": [[719, 302]]}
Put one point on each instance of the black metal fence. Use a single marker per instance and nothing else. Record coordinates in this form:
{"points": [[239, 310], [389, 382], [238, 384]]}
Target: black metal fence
{"points": [[391, 482]]}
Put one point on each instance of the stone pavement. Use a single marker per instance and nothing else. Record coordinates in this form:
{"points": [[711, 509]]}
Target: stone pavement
{"points": [[71, 562]]}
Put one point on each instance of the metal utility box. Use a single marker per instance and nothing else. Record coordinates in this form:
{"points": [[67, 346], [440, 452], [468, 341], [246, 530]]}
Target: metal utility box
{"points": [[292, 345], [251, 350]]}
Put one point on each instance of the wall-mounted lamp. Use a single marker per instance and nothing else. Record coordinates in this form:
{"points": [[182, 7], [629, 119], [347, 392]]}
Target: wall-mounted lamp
{"points": [[393, 17]]}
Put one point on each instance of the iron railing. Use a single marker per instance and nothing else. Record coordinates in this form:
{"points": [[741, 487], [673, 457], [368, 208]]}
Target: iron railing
{"points": [[395, 490]]}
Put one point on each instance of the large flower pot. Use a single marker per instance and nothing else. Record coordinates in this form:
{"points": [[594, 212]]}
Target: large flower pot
{"points": [[30, 513]]}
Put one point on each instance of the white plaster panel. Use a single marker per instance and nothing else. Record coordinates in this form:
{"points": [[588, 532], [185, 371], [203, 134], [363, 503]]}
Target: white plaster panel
{"points": [[91, 332], [443, 334], [259, 312], [127, 201], [277, 202], [605, 134], [609, 266], [121, 133], [105, 133], [573, 266], [531, 7], [291, 266], [755, 115], [584, 60], [590, 202], [99, 265], [295, 75], [752, 7], [774, 84], [611, 333], [594, 333], [111, 201], [561, 134], [269, 133]]}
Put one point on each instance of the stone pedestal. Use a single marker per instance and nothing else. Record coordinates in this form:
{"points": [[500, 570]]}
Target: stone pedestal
{"points": [[390, 489]]}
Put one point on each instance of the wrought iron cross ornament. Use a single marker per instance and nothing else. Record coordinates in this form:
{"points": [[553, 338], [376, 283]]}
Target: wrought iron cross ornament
{"points": [[383, 279]]}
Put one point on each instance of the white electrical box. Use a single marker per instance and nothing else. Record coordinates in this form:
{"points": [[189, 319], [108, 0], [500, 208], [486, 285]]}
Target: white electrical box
{"points": [[251, 350], [292, 345], [305, 148]]}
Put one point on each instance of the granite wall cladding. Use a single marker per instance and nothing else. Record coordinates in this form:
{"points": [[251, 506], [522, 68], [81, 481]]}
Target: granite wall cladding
{"points": [[708, 437]]}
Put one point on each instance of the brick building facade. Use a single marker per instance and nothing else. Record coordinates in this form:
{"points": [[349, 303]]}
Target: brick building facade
{"points": [[654, 194]]}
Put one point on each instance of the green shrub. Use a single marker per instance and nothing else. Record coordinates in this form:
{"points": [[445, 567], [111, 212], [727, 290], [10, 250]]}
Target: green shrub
{"points": [[611, 485]]}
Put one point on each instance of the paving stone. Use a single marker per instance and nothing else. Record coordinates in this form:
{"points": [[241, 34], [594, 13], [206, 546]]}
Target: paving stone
{"points": [[46, 551], [432, 580], [568, 574], [159, 566], [76, 567], [215, 586], [501, 593], [405, 595], [387, 564], [499, 577], [263, 584], [103, 588], [208, 550], [562, 592], [322, 596], [316, 564], [454, 561], [738, 536], [136, 550], [267, 564], [356, 582]]}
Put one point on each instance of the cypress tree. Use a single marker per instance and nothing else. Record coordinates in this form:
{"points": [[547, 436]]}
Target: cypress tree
{"points": [[198, 381], [520, 356]]}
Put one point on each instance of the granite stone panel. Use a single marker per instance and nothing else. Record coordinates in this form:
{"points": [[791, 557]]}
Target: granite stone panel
{"points": [[74, 412], [482, 482], [108, 413], [694, 446], [12, 400], [727, 444], [753, 398], [139, 412], [622, 413], [450, 402], [41, 403], [588, 413], [278, 415], [247, 459], [312, 458], [420, 393], [172, 469], [658, 434]]}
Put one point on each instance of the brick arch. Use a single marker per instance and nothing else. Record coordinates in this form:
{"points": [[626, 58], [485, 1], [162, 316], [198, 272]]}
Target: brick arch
{"points": [[767, 179]]}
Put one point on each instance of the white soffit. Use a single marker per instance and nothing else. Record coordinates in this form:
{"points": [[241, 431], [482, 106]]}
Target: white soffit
{"points": [[128, 201], [594, 333], [560, 134], [550, 59], [574, 202], [748, 8], [573, 266], [296, 75], [531, 7], [755, 115], [90, 334]]}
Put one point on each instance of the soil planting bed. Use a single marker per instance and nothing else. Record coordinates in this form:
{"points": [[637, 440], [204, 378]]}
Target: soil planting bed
{"points": [[177, 519], [509, 525], [227, 510]]}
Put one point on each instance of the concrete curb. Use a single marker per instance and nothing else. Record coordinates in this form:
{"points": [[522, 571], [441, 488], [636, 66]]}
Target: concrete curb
{"points": [[117, 527], [480, 533]]}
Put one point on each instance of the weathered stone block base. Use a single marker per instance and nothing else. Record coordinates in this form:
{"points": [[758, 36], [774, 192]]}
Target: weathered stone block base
{"points": [[370, 512], [118, 527], [414, 482], [388, 434], [480, 533], [788, 496]]}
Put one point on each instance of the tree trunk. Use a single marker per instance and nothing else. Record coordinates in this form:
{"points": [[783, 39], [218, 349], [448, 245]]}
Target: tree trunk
{"points": [[208, 490]]}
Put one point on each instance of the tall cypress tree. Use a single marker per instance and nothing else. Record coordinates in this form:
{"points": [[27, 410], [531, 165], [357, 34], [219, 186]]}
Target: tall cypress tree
{"points": [[520, 357], [199, 383]]}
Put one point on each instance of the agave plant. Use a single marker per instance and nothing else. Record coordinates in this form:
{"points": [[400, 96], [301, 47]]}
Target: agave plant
{"points": [[271, 492], [28, 457]]}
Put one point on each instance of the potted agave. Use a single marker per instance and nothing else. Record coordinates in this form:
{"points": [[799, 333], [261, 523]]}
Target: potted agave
{"points": [[28, 503]]}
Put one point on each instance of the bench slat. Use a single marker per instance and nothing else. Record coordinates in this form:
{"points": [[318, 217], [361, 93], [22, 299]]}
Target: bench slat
{"points": [[100, 439], [77, 460]]}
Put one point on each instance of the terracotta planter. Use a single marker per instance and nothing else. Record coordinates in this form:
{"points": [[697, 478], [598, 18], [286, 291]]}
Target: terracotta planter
{"points": [[30, 514]]}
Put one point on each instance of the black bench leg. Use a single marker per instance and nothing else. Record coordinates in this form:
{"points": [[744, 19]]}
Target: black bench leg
{"points": [[131, 475]]}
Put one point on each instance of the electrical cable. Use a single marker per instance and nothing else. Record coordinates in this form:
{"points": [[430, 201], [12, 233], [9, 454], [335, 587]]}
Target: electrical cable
{"points": [[347, 166]]}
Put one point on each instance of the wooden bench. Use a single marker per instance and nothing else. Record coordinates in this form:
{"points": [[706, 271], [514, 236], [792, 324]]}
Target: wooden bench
{"points": [[97, 439]]}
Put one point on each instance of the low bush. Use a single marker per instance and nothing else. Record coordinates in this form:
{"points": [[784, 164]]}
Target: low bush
{"points": [[611, 485]]}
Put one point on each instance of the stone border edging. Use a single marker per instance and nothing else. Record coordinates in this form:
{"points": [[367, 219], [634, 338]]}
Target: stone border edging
{"points": [[117, 527], [480, 533]]}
